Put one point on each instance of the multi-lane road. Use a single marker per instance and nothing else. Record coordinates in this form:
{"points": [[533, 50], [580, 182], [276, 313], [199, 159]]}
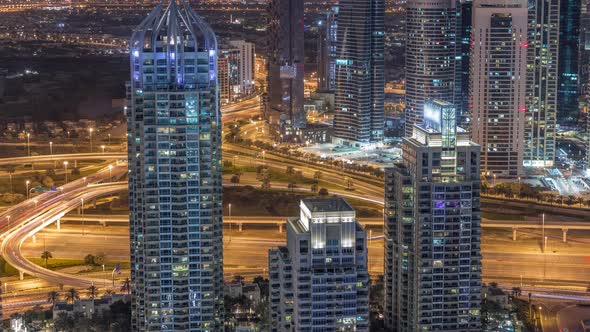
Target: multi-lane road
{"points": [[60, 157], [27, 218]]}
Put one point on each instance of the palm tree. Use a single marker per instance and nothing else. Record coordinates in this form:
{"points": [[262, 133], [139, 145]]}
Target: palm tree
{"points": [[52, 297], [516, 291], [46, 255], [238, 278], [92, 290], [109, 292], [72, 295], [126, 286]]}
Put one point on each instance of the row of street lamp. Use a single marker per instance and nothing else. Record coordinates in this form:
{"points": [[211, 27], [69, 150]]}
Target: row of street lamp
{"points": [[90, 130]]}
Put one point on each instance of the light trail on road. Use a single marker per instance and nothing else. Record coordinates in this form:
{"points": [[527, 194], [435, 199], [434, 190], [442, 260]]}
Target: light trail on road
{"points": [[49, 208]]}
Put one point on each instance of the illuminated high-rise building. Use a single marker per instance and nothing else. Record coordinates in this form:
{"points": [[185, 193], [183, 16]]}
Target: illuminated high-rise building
{"points": [[542, 64], [433, 56], [328, 28], [223, 79], [569, 85], [175, 189], [432, 229], [319, 280], [462, 60], [285, 94], [359, 108], [497, 92], [245, 64]]}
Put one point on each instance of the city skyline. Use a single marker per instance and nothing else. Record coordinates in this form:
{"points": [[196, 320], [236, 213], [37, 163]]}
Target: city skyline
{"points": [[294, 166]]}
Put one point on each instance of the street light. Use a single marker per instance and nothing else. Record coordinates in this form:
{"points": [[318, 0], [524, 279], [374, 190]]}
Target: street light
{"points": [[27, 184], [28, 144], [8, 222], [543, 232], [110, 172], [10, 179], [102, 147], [229, 206], [66, 170], [90, 135], [35, 201], [109, 141], [83, 221], [51, 152], [105, 276]]}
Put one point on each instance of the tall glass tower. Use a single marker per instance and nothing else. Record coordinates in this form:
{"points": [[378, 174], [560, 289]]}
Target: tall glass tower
{"points": [[569, 51], [359, 116], [175, 189], [285, 65], [432, 229], [542, 64], [327, 51], [432, 68]]}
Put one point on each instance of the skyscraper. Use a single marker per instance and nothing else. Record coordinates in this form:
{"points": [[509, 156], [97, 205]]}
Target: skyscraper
{"points": [[465, 15], [319, 281], [432, 229], [541, 104], [246, 64], [175, 189], [328, 28], [359, 116], [569, 70], [498, 83], [431, 56], [223, 79], [285, 64]]}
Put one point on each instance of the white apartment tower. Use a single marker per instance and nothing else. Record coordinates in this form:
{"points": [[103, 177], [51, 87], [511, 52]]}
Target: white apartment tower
{"points": [[432, 229], [319, 281], [246, 65], [498, 83], [175, 189]]}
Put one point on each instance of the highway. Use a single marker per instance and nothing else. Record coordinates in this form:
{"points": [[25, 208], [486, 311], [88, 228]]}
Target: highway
{"points": [[52, 209], [562, 270], [24, 220], [266, 220], [57, 157]]}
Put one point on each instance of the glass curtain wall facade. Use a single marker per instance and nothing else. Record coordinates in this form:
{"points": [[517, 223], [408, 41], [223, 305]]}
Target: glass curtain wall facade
{"points": [[285, 64], [568, 89], [360, 82], [432, 56], [542, 65], [175, 189]]}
